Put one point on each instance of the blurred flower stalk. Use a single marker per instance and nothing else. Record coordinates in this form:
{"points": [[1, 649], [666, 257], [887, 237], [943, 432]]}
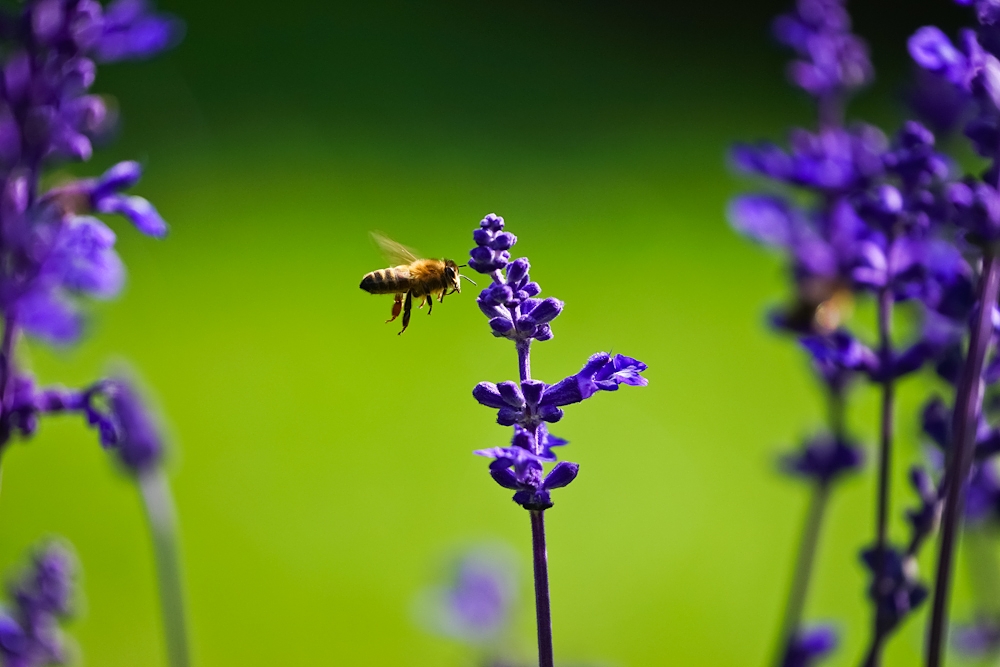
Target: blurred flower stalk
{"points": [[861, 217], [515, 312], [55, 254]]}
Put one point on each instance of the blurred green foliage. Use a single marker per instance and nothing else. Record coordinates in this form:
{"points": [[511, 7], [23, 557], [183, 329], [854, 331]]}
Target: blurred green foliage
{"points": [[322, 463]]}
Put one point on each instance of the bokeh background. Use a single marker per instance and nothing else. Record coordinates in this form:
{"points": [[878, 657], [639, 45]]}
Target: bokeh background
{"points": [[322, 464]]}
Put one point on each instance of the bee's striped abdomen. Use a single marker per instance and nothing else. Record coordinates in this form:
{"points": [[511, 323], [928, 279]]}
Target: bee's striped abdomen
{"points": [[387, 281]]}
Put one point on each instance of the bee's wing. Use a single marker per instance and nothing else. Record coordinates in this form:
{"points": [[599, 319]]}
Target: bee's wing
{"points": [[396, 253]]}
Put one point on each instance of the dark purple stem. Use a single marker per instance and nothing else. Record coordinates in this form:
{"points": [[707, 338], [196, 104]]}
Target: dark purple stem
{"points": [[810, 540], [542, 608], [6, 372], [524, 359], [968, 402]]}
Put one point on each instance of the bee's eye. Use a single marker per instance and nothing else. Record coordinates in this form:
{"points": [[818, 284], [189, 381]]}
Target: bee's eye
{"points": [[450, 272]]}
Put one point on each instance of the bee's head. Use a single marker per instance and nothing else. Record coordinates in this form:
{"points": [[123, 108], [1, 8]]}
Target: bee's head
{"points": [[453, 277]]}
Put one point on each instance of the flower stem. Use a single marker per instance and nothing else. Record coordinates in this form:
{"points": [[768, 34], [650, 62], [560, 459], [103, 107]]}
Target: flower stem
{"points": [[159, 506], [968, 402], [524, 359], [6, 373], [803, 570], [542, 609], [885, 303]]}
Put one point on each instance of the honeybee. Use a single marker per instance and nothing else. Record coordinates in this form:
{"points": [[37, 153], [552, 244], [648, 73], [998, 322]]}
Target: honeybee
{"points": [[821, 305], [412, 277]]}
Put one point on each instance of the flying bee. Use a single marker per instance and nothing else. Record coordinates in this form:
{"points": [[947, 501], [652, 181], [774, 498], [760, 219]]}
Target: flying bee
{"points": [[821, 305], [412, 277]]}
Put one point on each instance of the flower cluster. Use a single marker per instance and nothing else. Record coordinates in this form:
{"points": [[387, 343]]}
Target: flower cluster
{"points": [[29, 630], [514, 311], [51, 248], [894, 589], [510, 303], [833, 61]]}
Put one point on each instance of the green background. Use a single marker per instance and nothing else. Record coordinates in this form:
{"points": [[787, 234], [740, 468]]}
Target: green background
{"points": [[322, 465]]}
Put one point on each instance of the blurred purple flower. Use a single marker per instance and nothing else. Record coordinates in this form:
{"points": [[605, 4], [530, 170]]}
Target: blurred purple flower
{"points": [[809, 646], [29, 629], [823, 459], [476, 603]]}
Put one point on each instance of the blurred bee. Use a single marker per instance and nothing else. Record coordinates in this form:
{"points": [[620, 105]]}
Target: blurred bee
{"points": [[412, 277], [821, 305]]}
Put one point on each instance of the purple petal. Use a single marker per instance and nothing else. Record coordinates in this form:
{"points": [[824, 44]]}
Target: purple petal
{"points": [[511, 394], [561, 475], [763, 218], [49, 316], [505, 478], [931, 49], [488, 394], [138, 210], [546, 311]]}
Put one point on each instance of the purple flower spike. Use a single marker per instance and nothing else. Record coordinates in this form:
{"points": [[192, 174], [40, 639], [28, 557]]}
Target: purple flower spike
{"points": [[516, 310]]}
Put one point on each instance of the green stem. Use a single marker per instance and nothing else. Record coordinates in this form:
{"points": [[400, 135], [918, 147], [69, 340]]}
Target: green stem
{"points": [[159, 505]]}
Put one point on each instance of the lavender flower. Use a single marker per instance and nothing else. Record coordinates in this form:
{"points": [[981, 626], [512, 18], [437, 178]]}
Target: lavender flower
{"points": [[810, 646], [872, 219], [54, 254], [476, 604], [823, 459], [833, 62], [515, 312], [979, 638], [894, 589], [29, 630], [972, 67]]}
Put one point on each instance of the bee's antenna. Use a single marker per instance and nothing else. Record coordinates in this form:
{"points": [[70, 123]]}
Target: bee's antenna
{"points": [[462, 266], [467, 278]]}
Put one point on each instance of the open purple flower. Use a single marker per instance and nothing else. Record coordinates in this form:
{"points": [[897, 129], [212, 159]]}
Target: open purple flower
{"points": [[519, 466], [533, 402]]}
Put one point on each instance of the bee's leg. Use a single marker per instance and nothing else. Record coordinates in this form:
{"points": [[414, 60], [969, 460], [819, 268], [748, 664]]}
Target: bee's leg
{"points": [[430, 303], [407, 307], [441, 298], [422, 302], [397, 305]]}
